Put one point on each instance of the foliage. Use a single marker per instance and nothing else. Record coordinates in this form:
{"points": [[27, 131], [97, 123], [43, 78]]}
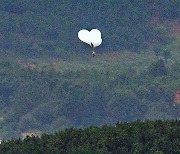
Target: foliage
{"points": [[162, 51], [47, 100], [42, 98], [158, 68], [137, 137]]}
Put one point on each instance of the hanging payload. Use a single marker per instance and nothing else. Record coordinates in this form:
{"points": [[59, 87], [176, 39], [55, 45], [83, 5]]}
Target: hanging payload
{"points": [[93, 38]]}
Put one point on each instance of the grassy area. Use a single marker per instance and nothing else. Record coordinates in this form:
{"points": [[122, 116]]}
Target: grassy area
{"points": [[108, 60], [1, 119]]}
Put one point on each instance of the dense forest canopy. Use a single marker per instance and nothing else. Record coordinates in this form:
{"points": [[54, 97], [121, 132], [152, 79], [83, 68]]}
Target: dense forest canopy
{"points": [[48, 82], [137, 137]]}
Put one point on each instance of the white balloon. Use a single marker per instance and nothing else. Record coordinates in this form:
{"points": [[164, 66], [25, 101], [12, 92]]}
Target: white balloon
{"points": [[95, 32], [96, 42], [84, 35], [92, 38]]}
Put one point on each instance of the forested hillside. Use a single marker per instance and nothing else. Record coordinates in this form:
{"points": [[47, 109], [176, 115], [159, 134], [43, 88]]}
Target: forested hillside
{"points": [[32, 28], [137, 137], [49, 81], [49, 100]]}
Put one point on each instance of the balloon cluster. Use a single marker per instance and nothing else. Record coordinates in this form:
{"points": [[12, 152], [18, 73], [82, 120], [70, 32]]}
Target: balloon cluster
{"points": [[93, 38]]}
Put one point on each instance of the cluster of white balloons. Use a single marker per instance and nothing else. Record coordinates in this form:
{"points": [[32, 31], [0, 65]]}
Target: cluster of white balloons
{"points": [[93, 37]]}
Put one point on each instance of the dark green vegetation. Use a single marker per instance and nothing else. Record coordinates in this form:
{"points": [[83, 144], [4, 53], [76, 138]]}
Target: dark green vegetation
{"points": [[48, 81], [137, 137], [49, 100]]}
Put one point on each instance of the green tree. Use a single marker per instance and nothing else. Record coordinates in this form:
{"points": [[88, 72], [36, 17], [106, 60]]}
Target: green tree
{"points": [[158, 50], [158, 68], [167, 55]]}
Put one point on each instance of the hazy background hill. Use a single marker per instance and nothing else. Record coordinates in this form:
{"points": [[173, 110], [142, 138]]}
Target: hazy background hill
{"points": [[39, 28], [49, 81]]}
